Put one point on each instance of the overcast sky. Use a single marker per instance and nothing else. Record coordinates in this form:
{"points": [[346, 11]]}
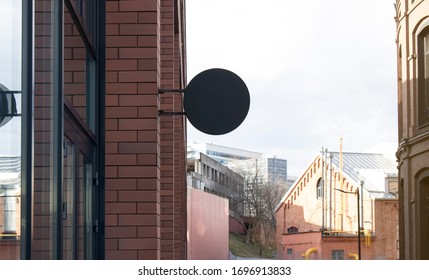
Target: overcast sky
{"points": [[316, 71]]}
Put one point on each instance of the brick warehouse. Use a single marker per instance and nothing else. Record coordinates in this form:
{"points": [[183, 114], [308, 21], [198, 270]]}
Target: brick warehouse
{"points": [[93, 170]]}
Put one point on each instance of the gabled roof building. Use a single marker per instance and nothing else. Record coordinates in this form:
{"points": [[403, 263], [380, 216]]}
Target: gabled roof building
{"points": [[338, 197]]}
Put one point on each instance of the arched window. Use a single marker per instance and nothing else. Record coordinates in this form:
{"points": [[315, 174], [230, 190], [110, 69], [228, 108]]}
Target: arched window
{"points": [[423, 75], [292, 230], [319, 189], [424, 218]]}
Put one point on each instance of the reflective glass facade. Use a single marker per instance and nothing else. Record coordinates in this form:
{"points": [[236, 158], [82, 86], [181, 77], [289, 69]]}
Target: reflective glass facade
{"points": [[88, 168], [10, 129], [51, 102]]}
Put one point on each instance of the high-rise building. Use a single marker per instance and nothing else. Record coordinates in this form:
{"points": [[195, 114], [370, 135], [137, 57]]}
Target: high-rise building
{"points": [[412, 30], [102, 174]]}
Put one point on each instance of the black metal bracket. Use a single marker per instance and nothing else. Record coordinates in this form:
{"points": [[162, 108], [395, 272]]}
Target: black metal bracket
{"points": [[12, 115], [163, 113], [162, 91], [10, 91]]}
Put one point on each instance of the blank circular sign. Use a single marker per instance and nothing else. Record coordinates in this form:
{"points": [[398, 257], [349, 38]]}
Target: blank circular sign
{"points": [[216, 101]]}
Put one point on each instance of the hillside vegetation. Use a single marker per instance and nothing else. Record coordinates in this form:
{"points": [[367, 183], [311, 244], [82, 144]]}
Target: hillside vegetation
{"points": [[239, 248]]}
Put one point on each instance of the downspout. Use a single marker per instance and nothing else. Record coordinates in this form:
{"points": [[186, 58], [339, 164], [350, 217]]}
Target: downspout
{"points": [[330, 190], [361, 205], [323, 191], [354, 256], [308, 253]]}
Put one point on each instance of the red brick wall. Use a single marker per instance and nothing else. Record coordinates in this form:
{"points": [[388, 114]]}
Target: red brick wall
{"points": [[142, 156], [173, 180], [387, 229]]}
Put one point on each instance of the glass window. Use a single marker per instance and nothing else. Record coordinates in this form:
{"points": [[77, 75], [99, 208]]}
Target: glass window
{"points": [[319, 189], [68, 204], [292, 230], [10, 129], [75, 72], [56, 201], [424, 218], [337, 255], [423, 68], [80, 78]]}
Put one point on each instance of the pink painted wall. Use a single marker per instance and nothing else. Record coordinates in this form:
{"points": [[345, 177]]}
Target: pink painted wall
{"points": [[208, 230], [299, 243]]}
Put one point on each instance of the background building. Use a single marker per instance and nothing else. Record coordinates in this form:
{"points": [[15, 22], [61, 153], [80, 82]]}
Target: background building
{"points": [[412, 29], [103, 174], [270, 169], [210, 176], [318, 216], [222, 154]]}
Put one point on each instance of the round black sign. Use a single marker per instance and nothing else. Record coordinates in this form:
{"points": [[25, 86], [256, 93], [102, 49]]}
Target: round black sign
{"points": [[216, 101], [7, 105]]}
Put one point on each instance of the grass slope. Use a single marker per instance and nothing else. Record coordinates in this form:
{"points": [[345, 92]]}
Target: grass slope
{"points": [[238, 247]]}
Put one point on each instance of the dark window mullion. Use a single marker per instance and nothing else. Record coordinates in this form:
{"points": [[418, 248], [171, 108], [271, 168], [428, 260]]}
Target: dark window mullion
{"points": [[58, 132], [82, 29], [99, 37], [27, 129]]}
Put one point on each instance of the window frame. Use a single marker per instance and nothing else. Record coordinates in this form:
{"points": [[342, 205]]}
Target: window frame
{"points": [[422, 94], [319, 189], [337, 253]]}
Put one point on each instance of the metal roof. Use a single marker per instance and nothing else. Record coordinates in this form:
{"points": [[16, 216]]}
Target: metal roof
{"points": [[372, 169]]}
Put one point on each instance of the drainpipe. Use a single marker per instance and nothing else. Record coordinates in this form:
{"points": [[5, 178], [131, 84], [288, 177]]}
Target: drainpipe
{"points": [[354, 256], [330, 190], [323, 191], [361, 204], [308, 253]]}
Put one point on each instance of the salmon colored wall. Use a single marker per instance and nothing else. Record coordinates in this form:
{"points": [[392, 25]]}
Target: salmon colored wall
{"points": [[299, 243], [208, 231]]}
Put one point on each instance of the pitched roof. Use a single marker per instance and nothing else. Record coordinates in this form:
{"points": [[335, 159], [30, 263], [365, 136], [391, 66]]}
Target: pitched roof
{"points": [[372, 169]]}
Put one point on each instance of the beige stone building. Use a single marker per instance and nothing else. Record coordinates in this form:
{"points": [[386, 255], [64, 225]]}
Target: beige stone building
{"points": [[412, 19]]}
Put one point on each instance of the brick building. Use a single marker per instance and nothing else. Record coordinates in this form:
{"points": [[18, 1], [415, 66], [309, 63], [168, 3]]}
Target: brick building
{"points": [[145, 152], [102, 172], [318, 216]]}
